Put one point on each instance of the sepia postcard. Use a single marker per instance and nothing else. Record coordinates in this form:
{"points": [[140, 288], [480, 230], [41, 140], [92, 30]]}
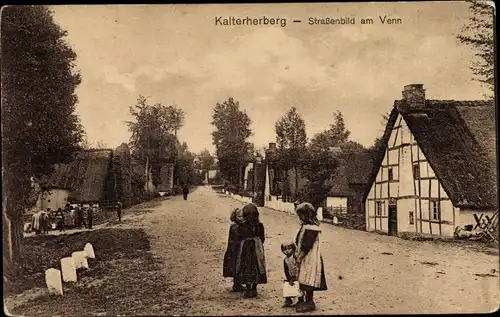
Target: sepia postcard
{"points": [[321, 158]]}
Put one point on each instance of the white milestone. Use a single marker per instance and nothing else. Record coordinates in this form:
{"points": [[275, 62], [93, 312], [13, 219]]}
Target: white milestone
{"points": [[80, 260], [319, 214], [68, 268], [54, 283], [335, 220], [89, 251]]}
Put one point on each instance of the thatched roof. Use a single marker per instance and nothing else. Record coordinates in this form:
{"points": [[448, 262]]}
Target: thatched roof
{"points": [[359, 167], [85, 176], [458, 140], [166, 176], [354, 168], [122, 150], [340, 183]]}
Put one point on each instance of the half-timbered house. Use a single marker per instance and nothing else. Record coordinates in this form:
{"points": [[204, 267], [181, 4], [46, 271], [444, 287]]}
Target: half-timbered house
{"points": [[438, 166]]}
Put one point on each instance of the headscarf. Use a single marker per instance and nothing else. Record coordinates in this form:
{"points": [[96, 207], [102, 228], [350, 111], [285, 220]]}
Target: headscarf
{"points": [[308, 210], [251, 214], [236, 215]]}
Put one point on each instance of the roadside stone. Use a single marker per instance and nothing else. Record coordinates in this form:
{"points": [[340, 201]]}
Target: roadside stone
{"points": [[53, 280], [89, 251], [80, 260], [68, 268], [319, 214]]}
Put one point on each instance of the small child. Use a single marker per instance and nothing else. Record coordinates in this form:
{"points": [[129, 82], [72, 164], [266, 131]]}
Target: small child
{"points": [[232, 249], [291, 272]]}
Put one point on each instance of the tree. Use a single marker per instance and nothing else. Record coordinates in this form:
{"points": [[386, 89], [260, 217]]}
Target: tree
{"points": [[378, 144], [153, 139], [39, 124], [101, 144], [291, 141], [319, 165], [206, 161], [478, 33], [232, 129], [85, 144], [184, 171], [338, 131], [352, 146], [177, 117]]}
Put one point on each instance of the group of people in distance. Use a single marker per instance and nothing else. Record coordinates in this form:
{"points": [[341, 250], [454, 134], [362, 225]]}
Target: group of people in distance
{"points": [[245, 262], [44, 221], [69, 217]]}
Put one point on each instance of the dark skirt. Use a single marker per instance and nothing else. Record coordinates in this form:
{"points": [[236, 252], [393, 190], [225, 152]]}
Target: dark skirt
{"points": [[230, 260], [249, 269], [229, 264]]}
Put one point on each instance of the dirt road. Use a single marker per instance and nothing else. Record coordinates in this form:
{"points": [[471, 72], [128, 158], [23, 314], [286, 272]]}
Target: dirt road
{"points": [[366, 273]]}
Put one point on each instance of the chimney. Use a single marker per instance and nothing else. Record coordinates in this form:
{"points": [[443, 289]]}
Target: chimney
{"points": [[414, 95]]}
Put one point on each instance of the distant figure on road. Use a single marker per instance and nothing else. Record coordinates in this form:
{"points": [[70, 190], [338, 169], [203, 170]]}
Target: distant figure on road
{"points": [[119, 207], [233, 245], [44, 221], [60, 219], [35, 222], [185, 191], [80, 214], [309, 259], [90, 214], [251, 263]]}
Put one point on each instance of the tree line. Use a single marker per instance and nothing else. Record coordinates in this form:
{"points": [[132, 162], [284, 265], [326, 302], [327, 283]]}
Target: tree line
{"points": [[316, 159], [40, 127], [154, 142]]}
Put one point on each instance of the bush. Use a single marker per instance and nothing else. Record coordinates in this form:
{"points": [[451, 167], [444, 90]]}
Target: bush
{"points": [[176, 190], [230, 188]]}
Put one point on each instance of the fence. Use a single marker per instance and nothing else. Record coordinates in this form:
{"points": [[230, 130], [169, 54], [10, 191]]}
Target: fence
{"points": [[348, 220], [108, 204], [272, 202], [329, 212]]}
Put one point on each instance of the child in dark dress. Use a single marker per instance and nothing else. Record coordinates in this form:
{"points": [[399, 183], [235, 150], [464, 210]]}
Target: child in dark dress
{"points": [[251, 263], [233, 245]]}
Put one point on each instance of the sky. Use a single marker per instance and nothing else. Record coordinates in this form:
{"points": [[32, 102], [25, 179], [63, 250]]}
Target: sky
{"points": [[176, 54]]}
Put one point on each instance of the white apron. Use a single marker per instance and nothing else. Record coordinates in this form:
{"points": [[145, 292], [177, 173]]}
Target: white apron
{"points": [[310, 267]]}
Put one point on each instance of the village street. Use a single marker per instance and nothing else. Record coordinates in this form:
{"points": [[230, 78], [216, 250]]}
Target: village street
{"points": [[366, 273]]}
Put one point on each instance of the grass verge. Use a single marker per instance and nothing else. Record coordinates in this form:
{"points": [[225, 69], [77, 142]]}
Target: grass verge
{"points": [[125, 278]]}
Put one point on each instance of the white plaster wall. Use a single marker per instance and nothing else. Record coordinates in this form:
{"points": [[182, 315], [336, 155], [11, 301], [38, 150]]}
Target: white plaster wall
{"points": [[247, 168], [393, 157], [404, 207], [336, 202], [466, 216], [54, 199]]}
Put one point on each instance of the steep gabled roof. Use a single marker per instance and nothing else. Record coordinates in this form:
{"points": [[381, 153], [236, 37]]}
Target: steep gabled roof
{"points": [[458, 140], [359, 166], [340, 180], [355, 168], [379, 153], [85, 176]]}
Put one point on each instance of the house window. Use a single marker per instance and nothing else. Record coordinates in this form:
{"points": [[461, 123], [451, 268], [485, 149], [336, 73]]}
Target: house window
{"points": [[411, 218], [390, 174], [378, 208], [436, 210], [416, 171]]}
